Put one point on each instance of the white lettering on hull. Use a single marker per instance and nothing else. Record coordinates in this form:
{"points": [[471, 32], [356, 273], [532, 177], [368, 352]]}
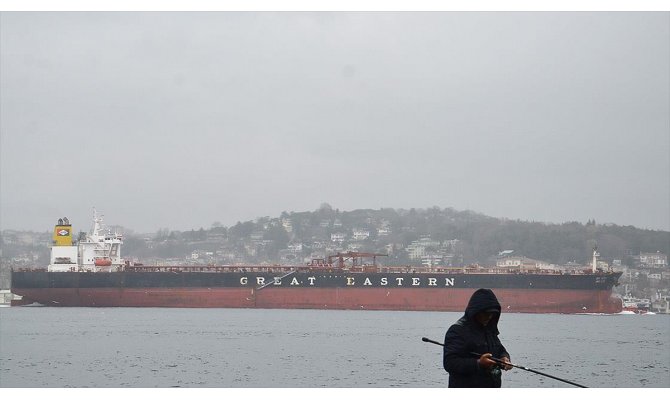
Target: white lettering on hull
{"points": [[351, 281]]}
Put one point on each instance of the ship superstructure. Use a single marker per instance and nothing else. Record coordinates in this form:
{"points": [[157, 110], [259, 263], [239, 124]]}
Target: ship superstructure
{"points": [[97, 251]]}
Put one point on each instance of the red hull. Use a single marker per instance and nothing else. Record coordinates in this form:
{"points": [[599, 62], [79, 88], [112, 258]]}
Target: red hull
{"points": [[400, 299]]}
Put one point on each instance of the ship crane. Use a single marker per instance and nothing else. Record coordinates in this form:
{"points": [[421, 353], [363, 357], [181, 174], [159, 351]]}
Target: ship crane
{"points": [[355, 257]]}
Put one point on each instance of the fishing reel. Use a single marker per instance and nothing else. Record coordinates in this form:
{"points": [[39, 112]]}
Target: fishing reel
{"points": [[495, 371]]}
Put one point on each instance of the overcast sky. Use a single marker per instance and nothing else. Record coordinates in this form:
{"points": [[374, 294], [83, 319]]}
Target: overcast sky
{"points": [[182, 119]]}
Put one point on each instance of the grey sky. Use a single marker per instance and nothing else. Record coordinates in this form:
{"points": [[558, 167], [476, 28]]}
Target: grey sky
{"points": [[181, 119]]}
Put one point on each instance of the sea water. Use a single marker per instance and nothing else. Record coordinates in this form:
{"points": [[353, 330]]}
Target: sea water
{"points": [[251, 348]]}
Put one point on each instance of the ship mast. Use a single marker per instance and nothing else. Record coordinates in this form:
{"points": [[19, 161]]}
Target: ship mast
{"points": [[594, 263], [97, 225]]}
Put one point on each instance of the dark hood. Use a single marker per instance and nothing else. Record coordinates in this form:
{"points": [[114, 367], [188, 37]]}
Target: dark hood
{"points": [[483, 300]]}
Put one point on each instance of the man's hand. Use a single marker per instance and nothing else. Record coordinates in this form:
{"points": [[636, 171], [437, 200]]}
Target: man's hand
{"points": [[506, 367], [485, 361]]}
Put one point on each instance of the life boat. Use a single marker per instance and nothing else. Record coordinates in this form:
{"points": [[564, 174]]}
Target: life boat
{"points": [[103, 262]]}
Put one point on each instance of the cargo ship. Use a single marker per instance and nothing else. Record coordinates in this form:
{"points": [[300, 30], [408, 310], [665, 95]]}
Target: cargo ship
{"points": [[90, 272]]}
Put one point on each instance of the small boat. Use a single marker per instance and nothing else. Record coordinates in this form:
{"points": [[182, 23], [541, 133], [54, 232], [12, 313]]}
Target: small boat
{"points": [[633, 305], [103, 262]]}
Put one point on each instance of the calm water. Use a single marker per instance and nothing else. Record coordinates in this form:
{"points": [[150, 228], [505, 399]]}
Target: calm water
{"points": [[123, 347]]}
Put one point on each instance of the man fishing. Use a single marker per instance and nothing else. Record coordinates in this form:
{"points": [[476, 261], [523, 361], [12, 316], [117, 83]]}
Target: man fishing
{"points": [[476, 333]]}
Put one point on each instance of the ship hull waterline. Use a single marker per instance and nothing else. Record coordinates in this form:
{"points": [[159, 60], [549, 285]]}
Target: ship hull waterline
{"points": [[392, 299]]}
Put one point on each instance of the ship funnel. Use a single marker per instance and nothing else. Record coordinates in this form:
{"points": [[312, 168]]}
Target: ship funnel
{"points": [[62, 233]]}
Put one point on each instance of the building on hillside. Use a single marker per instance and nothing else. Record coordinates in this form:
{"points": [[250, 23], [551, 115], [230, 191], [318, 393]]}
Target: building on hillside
{"points": [[433, 259], [654, 260], [337, 237], [419, 248], [521, 262], [415, 252], [256, 236], [287, 224], [295, 247], [318, 244], [361, 234], [354, 247]]}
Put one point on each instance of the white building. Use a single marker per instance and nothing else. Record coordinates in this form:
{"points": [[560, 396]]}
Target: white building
{"points": [[287, 224], [419, 248], [430, 260], [415, 252], [361, 234], [654, 260], [337, 237], [295, 247], [522, 263]]}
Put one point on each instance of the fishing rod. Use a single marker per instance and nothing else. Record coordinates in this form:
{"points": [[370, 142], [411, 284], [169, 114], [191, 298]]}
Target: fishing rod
{"points": [[499, 361]]}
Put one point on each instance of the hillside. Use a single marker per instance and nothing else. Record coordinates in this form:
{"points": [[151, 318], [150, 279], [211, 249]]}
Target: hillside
{"points": [[444, 236], [455, 237]]}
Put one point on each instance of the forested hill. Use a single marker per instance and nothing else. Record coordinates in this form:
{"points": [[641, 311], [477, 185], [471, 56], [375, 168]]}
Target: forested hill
{"points": [[468, 236]]}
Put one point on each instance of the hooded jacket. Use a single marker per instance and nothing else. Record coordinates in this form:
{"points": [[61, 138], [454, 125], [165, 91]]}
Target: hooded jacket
{"points": [[468, 336]]}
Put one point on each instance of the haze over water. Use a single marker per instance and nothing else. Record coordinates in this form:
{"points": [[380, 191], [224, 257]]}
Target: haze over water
{"points": [[240, 348]]}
